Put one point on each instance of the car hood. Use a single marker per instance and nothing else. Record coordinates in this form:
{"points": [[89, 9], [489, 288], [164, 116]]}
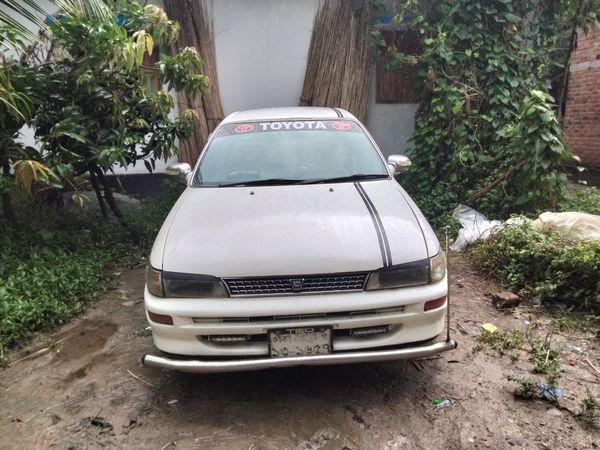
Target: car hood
{"points": [[292, 230]]}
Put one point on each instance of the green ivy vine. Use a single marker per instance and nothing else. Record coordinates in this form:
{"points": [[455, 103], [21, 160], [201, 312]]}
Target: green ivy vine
{"points": [[486, 132]]}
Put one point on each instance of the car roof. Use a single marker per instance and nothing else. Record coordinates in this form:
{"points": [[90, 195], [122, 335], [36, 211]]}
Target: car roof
{"points": [[286, 113]]}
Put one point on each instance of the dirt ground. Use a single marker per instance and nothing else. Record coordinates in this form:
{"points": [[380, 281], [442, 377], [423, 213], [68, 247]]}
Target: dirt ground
{"points": [[83, 387]]}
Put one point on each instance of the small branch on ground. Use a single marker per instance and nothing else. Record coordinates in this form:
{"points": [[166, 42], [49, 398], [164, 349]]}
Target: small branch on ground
{"points": [[587, 360], [139, 379], [44, 350]]}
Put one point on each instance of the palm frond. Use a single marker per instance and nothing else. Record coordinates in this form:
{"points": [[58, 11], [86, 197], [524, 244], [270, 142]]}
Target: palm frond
{"points": [[32, 11], [90, 9], [28, 9], [7, 20], [22, 11]]}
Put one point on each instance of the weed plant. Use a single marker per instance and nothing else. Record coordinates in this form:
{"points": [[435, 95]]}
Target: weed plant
{"points": [[57, 260]]}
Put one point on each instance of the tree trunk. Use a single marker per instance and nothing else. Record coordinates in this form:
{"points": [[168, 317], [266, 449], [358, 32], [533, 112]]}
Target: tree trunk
{"points": [[7, 208], [108, 195], [195, 19], [101, 202]]}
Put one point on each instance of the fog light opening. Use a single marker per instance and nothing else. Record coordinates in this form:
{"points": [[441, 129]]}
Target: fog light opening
{"points": [[160, 318], [228, 338], [369, 331], [433, 304]]}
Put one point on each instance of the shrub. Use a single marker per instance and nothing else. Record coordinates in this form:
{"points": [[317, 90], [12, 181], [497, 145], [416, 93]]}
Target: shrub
{"points": [[543, 263], [526, 388], [88, 102]]}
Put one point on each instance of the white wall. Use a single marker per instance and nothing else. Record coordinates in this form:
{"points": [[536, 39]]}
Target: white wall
{"points": [[262, 48]]}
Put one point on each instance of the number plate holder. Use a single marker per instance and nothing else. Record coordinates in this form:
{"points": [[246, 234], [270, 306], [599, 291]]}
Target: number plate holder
{"points": [[306, 341]]}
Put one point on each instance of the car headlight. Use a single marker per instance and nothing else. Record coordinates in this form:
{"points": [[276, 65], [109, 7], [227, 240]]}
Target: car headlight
{"points": [[189, 285], [438, 267], [184, 285], [402, 275]]}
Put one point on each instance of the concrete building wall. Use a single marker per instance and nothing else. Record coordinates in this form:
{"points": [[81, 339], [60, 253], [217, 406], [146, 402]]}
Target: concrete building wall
{"points": [[582, 113], [262, 49]]}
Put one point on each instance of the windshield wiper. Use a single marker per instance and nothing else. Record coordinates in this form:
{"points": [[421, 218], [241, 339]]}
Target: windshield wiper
{"points": [[355, 177], [284, 181], [267, 182]]}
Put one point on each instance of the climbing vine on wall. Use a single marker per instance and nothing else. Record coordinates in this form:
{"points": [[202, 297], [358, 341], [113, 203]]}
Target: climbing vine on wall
{"points": [[486, 133]]}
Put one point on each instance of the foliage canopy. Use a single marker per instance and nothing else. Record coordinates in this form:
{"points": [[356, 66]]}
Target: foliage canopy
{"points": [[85, 97], [486, 132]]}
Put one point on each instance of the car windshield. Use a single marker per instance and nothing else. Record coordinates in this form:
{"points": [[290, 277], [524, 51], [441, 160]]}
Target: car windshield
{"points": [[290, 152]]}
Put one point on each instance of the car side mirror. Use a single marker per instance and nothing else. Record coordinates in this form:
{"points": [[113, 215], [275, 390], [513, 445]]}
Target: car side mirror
{"points": [[398, 163], [182, 170]]}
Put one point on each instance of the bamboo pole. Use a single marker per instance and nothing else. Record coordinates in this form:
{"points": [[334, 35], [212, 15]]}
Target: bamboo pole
{"points": [[195, 20], [339, 59]]}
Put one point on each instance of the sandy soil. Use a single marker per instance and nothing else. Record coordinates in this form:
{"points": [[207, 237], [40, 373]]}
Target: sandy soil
{"points": [[85, 388]]}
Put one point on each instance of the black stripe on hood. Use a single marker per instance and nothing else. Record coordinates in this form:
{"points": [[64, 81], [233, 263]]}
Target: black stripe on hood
{"points": [[384, 245]]}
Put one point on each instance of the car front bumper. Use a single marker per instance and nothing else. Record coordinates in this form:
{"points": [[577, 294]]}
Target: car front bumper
{"points": [[196, 321], [239, 365]]}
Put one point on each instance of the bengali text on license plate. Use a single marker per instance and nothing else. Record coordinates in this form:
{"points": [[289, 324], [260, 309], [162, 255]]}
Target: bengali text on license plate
{"points": [[300, 342]]}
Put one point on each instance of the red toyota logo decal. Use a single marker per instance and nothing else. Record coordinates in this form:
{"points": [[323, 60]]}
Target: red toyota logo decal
{"points": [[244, 128], [341, 126]]}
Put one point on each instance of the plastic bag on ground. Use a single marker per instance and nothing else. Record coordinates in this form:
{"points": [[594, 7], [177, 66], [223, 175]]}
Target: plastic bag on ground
{"points": [[475, 226], [579, 226]]}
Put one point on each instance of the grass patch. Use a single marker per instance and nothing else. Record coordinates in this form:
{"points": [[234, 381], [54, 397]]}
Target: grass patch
{"points": [[590, 407], [526, 389], [581, 198], [546, 357], [56, 260], [547, 360], [502, 340], [571, 323]]}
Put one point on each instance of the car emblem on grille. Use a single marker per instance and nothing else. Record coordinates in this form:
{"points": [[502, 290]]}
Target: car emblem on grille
{"points": [[297, 284]]}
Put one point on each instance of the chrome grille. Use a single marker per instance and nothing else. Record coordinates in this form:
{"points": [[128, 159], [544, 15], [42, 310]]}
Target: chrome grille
{"points": [[296, 285]]}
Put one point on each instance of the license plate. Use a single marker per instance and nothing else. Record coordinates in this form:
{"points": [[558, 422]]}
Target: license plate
{"points": [[300, 342]]}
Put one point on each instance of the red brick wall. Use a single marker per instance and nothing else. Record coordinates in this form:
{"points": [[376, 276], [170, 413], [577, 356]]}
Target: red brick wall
{"points": [[582, 112]]}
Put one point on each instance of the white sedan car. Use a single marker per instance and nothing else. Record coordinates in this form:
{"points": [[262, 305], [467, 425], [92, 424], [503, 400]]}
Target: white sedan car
{"points": [[293, 244]]}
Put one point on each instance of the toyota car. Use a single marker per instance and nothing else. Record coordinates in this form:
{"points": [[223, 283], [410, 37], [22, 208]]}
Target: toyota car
{"points": [[293, 244]]}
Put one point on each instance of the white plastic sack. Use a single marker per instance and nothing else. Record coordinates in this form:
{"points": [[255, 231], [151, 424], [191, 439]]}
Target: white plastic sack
{"points": [[579, 226], [475, 226]]}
